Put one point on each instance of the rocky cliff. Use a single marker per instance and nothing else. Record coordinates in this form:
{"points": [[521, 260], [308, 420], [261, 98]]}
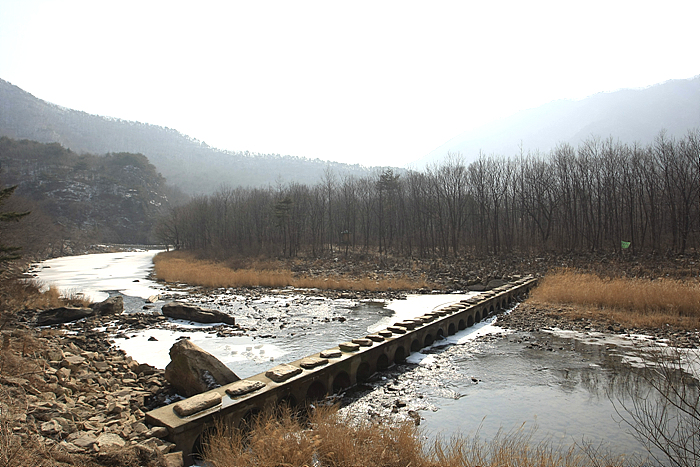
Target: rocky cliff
{"points": [[114, 198]]}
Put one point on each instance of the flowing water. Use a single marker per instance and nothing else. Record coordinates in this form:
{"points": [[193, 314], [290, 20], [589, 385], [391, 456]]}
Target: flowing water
{"points": [[572, 388]]}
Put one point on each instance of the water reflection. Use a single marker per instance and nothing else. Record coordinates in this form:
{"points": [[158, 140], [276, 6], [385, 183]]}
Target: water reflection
{"points": [[660, 401], [574, 391]]}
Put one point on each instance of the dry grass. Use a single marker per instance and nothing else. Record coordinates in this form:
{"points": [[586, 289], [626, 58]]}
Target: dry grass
{"points": [[330, 440], [628, 301], [17, 295], [183, 267]]}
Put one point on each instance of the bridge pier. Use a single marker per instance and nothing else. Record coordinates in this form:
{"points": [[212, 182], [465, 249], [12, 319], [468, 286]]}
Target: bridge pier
{"points": [[327, 372]]}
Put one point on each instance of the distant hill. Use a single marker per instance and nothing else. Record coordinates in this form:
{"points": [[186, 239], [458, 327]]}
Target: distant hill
{"points": [[629, 115], [80, 198], [185, 162]]}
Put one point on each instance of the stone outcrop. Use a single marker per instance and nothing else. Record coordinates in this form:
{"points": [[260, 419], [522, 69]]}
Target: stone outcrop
{"points": [[179, 310], [193, 370], [112, 306], [63, 314]]}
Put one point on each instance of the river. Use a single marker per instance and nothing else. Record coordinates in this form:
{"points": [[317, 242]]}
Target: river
{"points": [[560, 387]]}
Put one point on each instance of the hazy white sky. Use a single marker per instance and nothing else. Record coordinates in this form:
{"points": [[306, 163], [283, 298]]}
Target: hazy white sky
{"points": [[369, 82]]}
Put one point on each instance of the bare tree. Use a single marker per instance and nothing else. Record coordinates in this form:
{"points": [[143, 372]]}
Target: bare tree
{"points": [[663, 407]]}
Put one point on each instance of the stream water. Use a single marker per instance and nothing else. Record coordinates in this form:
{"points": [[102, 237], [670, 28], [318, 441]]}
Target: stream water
{"points": [[569, 387]]}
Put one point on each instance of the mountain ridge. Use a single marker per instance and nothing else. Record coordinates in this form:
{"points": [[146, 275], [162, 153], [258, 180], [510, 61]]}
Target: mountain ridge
{"points": [[628, 115], [79, 199], [187, 163]]}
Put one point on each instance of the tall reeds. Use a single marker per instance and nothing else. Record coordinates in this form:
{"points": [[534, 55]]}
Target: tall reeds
{"points": [[640, 302], [185, 268]]}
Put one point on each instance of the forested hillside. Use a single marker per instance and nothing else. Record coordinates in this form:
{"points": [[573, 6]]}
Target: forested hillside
{"points": [[187, 163], [601, 196], [79, 199]]}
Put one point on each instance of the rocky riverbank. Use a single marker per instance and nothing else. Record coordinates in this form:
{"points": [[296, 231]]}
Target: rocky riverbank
{"points": [[531, 317], [72, 398], [474, 272]]}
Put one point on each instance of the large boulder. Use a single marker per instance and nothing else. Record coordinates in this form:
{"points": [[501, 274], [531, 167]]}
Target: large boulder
{"points": [[112, 306], [179, 310], [193, 370], [63, 314]]}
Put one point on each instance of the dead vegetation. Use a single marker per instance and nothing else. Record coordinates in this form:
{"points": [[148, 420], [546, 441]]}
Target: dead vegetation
{"points": [[631, 302], [331, 440], [18, 295], [184, 267]]}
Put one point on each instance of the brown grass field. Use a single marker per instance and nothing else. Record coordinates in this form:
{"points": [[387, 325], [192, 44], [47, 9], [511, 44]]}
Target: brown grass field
{"points": [[184, 267], [643, 303]]}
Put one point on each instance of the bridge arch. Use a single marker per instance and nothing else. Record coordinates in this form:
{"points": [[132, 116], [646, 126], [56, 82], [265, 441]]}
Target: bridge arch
{"points": [[440, 334], [451, 329], [429, 339], [200, 441], [477, 316], [248, 419], [400, 355], [341, 381], [461, 325], [415, 345], [470, 321], [289, 400], [363, 372], [316, 391], [382, 362]]}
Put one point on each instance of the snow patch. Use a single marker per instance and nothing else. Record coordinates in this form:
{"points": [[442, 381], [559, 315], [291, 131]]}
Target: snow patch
{"points": [[95, 274], [416, 305]]}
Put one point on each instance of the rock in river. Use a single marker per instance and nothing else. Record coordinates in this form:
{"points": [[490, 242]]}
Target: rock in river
{"points": [[179, 310], [64, 314], [193, 370], [112, 306]]}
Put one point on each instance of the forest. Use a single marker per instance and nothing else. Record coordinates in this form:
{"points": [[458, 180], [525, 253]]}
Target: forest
{"points": [[602, 196]]}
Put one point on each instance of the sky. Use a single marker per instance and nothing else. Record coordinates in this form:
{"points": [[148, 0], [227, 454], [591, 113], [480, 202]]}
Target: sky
{"points": [[369, 82]]}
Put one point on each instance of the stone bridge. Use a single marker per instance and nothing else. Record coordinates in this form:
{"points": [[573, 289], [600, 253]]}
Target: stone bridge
{"points": [[328, 372]]}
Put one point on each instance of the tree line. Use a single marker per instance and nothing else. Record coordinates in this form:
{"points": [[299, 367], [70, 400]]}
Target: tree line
{"points": [[602, 196]]}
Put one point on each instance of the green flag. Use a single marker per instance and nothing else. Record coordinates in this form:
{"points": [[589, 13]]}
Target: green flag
{"points": [[626, 244]]}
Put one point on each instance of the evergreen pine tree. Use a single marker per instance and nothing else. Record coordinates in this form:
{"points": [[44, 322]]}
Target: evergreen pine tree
{"points": [[9, 253]]}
